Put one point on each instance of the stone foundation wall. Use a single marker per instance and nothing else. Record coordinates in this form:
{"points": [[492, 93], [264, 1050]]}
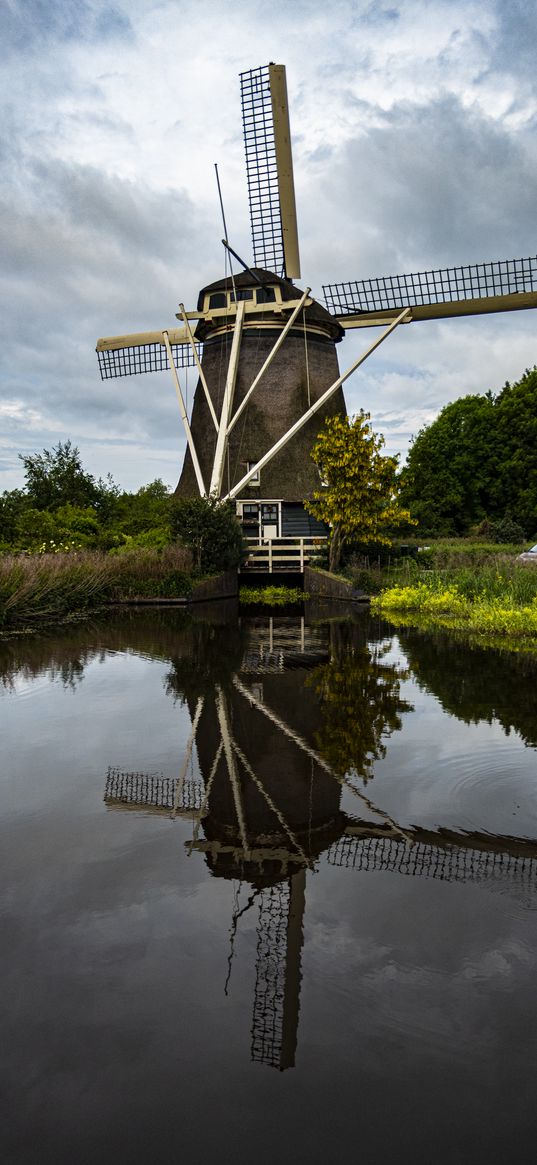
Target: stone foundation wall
{"points": [[220, 586], [322, 584]]}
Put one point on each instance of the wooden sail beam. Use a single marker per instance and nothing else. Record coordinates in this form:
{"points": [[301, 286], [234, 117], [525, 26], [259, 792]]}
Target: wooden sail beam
{"points": [[177, 802], [140, 339], [516, 301], [284, 166], [302, 744], [442, 293], [229, 750]]}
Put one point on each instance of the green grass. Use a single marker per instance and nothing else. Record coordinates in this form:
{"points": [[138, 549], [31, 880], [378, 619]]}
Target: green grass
{"points": [[271, 596], [495, 600], [475, 587]]}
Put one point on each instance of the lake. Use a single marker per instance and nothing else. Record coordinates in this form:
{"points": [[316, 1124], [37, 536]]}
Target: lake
{"points": [[268, 892]]}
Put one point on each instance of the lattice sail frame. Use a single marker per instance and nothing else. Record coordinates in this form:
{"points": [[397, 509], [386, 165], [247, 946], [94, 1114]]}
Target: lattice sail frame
{"points": [[261, 170], [439, 288], [133, 359], [267, 1018], [139, 790], [269, 170], [451, 863]]}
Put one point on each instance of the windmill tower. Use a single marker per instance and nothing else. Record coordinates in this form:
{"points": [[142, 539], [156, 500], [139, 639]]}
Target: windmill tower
{"points": [[265, 350]]}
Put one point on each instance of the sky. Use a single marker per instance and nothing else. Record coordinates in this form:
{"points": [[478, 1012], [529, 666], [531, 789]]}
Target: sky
{"points": [[414, 147]]}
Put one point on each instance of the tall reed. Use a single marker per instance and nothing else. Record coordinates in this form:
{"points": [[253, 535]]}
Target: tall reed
{"points": [[49, 586]]}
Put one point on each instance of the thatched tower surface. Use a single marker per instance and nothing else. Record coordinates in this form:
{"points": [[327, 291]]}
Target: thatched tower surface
{"points": [[304, 367]]}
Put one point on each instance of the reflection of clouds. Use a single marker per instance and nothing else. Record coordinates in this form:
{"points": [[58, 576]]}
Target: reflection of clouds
{"points": [[499, 962], [467, 776], [340, 939], [438, 966]]}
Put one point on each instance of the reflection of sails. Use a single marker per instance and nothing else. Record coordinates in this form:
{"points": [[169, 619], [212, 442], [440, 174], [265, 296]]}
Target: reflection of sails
{"points": [[269, 804], [447, 854]]}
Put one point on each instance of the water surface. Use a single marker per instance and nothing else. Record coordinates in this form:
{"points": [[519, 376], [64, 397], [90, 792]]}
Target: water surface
{"points": [[268, 892]]}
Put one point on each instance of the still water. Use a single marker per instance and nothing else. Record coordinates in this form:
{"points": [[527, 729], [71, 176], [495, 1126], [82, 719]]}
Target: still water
{"points": [[268, 893]]}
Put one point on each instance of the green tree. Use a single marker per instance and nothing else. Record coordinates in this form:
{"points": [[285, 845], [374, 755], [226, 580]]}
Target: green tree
{"points": [[209, 529], [36, 528], [516, 434], [450, 479], [359, 497], [147, 510], [56, 477], [13, 504], [477, 460]]}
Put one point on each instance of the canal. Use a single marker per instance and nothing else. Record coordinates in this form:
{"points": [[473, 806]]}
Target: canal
{"points": [[269, 892]]}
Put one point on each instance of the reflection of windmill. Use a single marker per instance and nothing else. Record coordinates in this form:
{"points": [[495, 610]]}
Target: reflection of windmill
{"points": [[269, 362], [269, 807]]}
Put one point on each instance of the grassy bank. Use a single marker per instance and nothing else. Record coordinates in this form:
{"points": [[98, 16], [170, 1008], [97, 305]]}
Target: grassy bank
{"points": [[486, 594], [50, 587]]}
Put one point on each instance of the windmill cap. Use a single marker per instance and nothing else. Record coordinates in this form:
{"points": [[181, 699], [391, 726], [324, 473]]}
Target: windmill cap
{"points": [[315, 313]]}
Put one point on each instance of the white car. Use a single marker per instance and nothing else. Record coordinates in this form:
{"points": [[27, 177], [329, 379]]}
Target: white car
{"points": [[528, 555]]}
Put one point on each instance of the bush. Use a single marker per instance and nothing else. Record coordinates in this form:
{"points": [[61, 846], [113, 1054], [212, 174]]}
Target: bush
{"points": [[211, 531], [506, 530]]}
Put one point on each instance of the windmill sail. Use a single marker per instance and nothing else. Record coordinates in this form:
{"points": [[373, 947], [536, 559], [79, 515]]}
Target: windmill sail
{"points": [[269, 170], [144, 352], [504, 285]]}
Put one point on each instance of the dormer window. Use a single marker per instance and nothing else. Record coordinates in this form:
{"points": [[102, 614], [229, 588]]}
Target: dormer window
{"points": [[242, 293], [265, 295], [218, 299]]}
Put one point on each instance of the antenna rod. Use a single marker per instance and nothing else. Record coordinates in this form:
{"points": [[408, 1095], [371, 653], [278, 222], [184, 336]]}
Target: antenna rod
{"points": [[225, 226], [242, 263], [220, 197]]}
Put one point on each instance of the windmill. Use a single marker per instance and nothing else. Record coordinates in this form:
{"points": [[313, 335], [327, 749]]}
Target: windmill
{"points": [[265, 350]]}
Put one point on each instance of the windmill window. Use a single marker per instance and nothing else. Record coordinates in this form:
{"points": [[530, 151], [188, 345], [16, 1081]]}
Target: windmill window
{"points": [[256, 477], [250, 512], [218, 299], [246, 293], [265, 295]]}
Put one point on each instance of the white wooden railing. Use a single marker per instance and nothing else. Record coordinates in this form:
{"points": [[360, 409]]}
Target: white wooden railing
{"points": [[270, 554]]}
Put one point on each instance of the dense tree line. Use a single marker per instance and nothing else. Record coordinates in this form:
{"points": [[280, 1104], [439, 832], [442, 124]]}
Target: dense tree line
{"points": [[476, 465], [64, 508]]}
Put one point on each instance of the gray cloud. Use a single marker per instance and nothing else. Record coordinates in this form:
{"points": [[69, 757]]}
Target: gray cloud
{"points": [[435, 185], [41, 22], [513, 49], [92, 255]]}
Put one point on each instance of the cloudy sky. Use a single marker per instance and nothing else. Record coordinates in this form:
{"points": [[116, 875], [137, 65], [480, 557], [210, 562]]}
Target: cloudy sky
{"points": [[414, 145]]}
